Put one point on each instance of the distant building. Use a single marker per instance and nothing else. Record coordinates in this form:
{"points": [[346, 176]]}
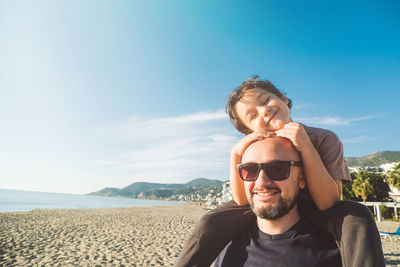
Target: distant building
{"points": [[366, 168], [394, 193], [354, 169], [388, 166], [226, 193]]}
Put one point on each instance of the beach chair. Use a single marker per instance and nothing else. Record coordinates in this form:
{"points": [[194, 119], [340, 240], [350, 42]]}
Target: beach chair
{"points": [[392, 236]]}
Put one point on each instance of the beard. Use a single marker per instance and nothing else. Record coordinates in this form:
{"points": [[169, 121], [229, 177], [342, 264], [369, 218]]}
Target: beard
{"points": [[273, 212]]}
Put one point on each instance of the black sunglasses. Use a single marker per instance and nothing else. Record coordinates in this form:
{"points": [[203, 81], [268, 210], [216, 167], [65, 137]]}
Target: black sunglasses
{"points": [[276, 170]]}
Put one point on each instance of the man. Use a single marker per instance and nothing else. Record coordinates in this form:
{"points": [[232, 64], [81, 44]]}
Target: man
{"points": [[272, 171]]}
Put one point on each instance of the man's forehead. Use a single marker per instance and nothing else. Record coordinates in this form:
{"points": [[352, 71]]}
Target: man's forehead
{"points": [[271, 148]]}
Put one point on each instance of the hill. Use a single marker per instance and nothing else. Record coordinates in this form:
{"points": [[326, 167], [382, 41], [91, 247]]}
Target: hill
{"points": [[374, 159], [200, 186]]}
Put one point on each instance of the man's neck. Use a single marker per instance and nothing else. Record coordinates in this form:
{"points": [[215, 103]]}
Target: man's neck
{"points": [[280, 225]]}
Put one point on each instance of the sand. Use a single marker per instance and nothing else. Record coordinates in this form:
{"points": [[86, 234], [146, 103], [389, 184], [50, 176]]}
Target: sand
{"points": [[391, 249], [145, 236]]}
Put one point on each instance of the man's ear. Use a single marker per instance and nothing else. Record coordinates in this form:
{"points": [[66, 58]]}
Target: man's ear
{"points": [[302, 182]]}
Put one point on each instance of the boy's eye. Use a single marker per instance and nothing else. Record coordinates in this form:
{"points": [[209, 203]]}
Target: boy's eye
{"points": [[252, 116], [267, 100]]}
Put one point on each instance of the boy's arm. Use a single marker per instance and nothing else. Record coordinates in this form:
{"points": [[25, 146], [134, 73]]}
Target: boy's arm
{"points": [[237, 184], [323, 188]]}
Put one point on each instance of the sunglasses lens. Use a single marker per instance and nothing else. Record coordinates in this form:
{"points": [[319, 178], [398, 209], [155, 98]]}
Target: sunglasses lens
{"points": [[277, 170], [249, 172]]}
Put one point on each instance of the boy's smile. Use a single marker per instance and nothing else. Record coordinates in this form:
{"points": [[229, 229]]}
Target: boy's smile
{"points": [[273, 112], [262, 111]]}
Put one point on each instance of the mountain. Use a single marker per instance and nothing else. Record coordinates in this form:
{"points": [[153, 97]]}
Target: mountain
{"points": [[161, 191], [375, 159], [111, 192], [136, 188], [202, 182]]}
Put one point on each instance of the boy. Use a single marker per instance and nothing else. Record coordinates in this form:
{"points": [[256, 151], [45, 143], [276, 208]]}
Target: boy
{"points": [[258, 109]]}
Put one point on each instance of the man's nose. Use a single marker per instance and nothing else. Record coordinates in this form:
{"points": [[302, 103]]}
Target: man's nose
{"points": [[263, 179]]}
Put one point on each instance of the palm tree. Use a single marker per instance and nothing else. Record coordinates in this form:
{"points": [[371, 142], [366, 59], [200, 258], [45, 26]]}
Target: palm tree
{"points": [[362, 186], [394, 177]]}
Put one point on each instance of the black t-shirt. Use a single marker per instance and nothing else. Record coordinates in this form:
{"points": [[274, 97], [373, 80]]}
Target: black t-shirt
{"points": [[302, 245]]}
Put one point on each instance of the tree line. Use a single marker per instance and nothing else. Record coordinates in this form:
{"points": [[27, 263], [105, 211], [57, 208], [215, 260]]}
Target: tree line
{"points": [[371, 186]]}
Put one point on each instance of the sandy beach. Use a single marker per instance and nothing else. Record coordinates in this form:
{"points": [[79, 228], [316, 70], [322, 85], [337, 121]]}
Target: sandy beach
{"points": [[391, 249], [142, 236]]}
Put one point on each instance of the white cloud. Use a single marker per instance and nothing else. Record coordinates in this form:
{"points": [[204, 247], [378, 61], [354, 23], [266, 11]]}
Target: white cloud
{"points": [[142, 127], [173, 148], [333, 121], [357, 139]]}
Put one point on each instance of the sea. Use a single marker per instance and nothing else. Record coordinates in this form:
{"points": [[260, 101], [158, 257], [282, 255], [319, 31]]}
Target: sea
{"points": [[18, 200]]}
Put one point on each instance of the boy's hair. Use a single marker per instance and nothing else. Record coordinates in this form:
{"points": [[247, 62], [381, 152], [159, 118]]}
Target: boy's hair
{"points": [[237, 94]]}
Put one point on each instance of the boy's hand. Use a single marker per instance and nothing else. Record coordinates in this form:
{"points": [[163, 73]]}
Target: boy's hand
{"points": [[239, 148], [296, 133]]}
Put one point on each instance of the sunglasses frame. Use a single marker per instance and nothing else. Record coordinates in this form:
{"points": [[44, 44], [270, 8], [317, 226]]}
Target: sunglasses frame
{"points": [[261, 166]]}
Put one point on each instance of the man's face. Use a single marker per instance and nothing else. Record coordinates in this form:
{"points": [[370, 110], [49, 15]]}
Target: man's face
{"points": [[262, 111], [272, 199]]}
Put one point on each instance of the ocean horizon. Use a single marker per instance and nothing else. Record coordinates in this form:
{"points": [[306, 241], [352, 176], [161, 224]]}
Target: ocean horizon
{"points": [[19, 200]]}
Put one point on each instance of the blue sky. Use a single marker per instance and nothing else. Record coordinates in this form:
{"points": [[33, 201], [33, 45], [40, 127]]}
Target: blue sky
{"points": [[98, 94]]}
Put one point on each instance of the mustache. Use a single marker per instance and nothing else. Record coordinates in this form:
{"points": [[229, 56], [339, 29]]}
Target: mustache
{"points": [[265, 188]]}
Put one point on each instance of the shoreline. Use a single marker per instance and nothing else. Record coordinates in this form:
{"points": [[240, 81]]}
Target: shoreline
{"points": [[19, 200], [137, 236]]}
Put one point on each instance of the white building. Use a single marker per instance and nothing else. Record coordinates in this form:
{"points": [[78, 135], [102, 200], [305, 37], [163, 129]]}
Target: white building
{"points": [[394, 193], [226, 193], [354, 169], [388, 166]]}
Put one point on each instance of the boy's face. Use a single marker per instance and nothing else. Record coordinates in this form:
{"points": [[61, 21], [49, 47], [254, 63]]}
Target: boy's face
{"points": [[262, 111]]}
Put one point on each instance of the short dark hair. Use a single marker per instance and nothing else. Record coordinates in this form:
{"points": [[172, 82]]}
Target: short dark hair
{"points": [[237, 94]]}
